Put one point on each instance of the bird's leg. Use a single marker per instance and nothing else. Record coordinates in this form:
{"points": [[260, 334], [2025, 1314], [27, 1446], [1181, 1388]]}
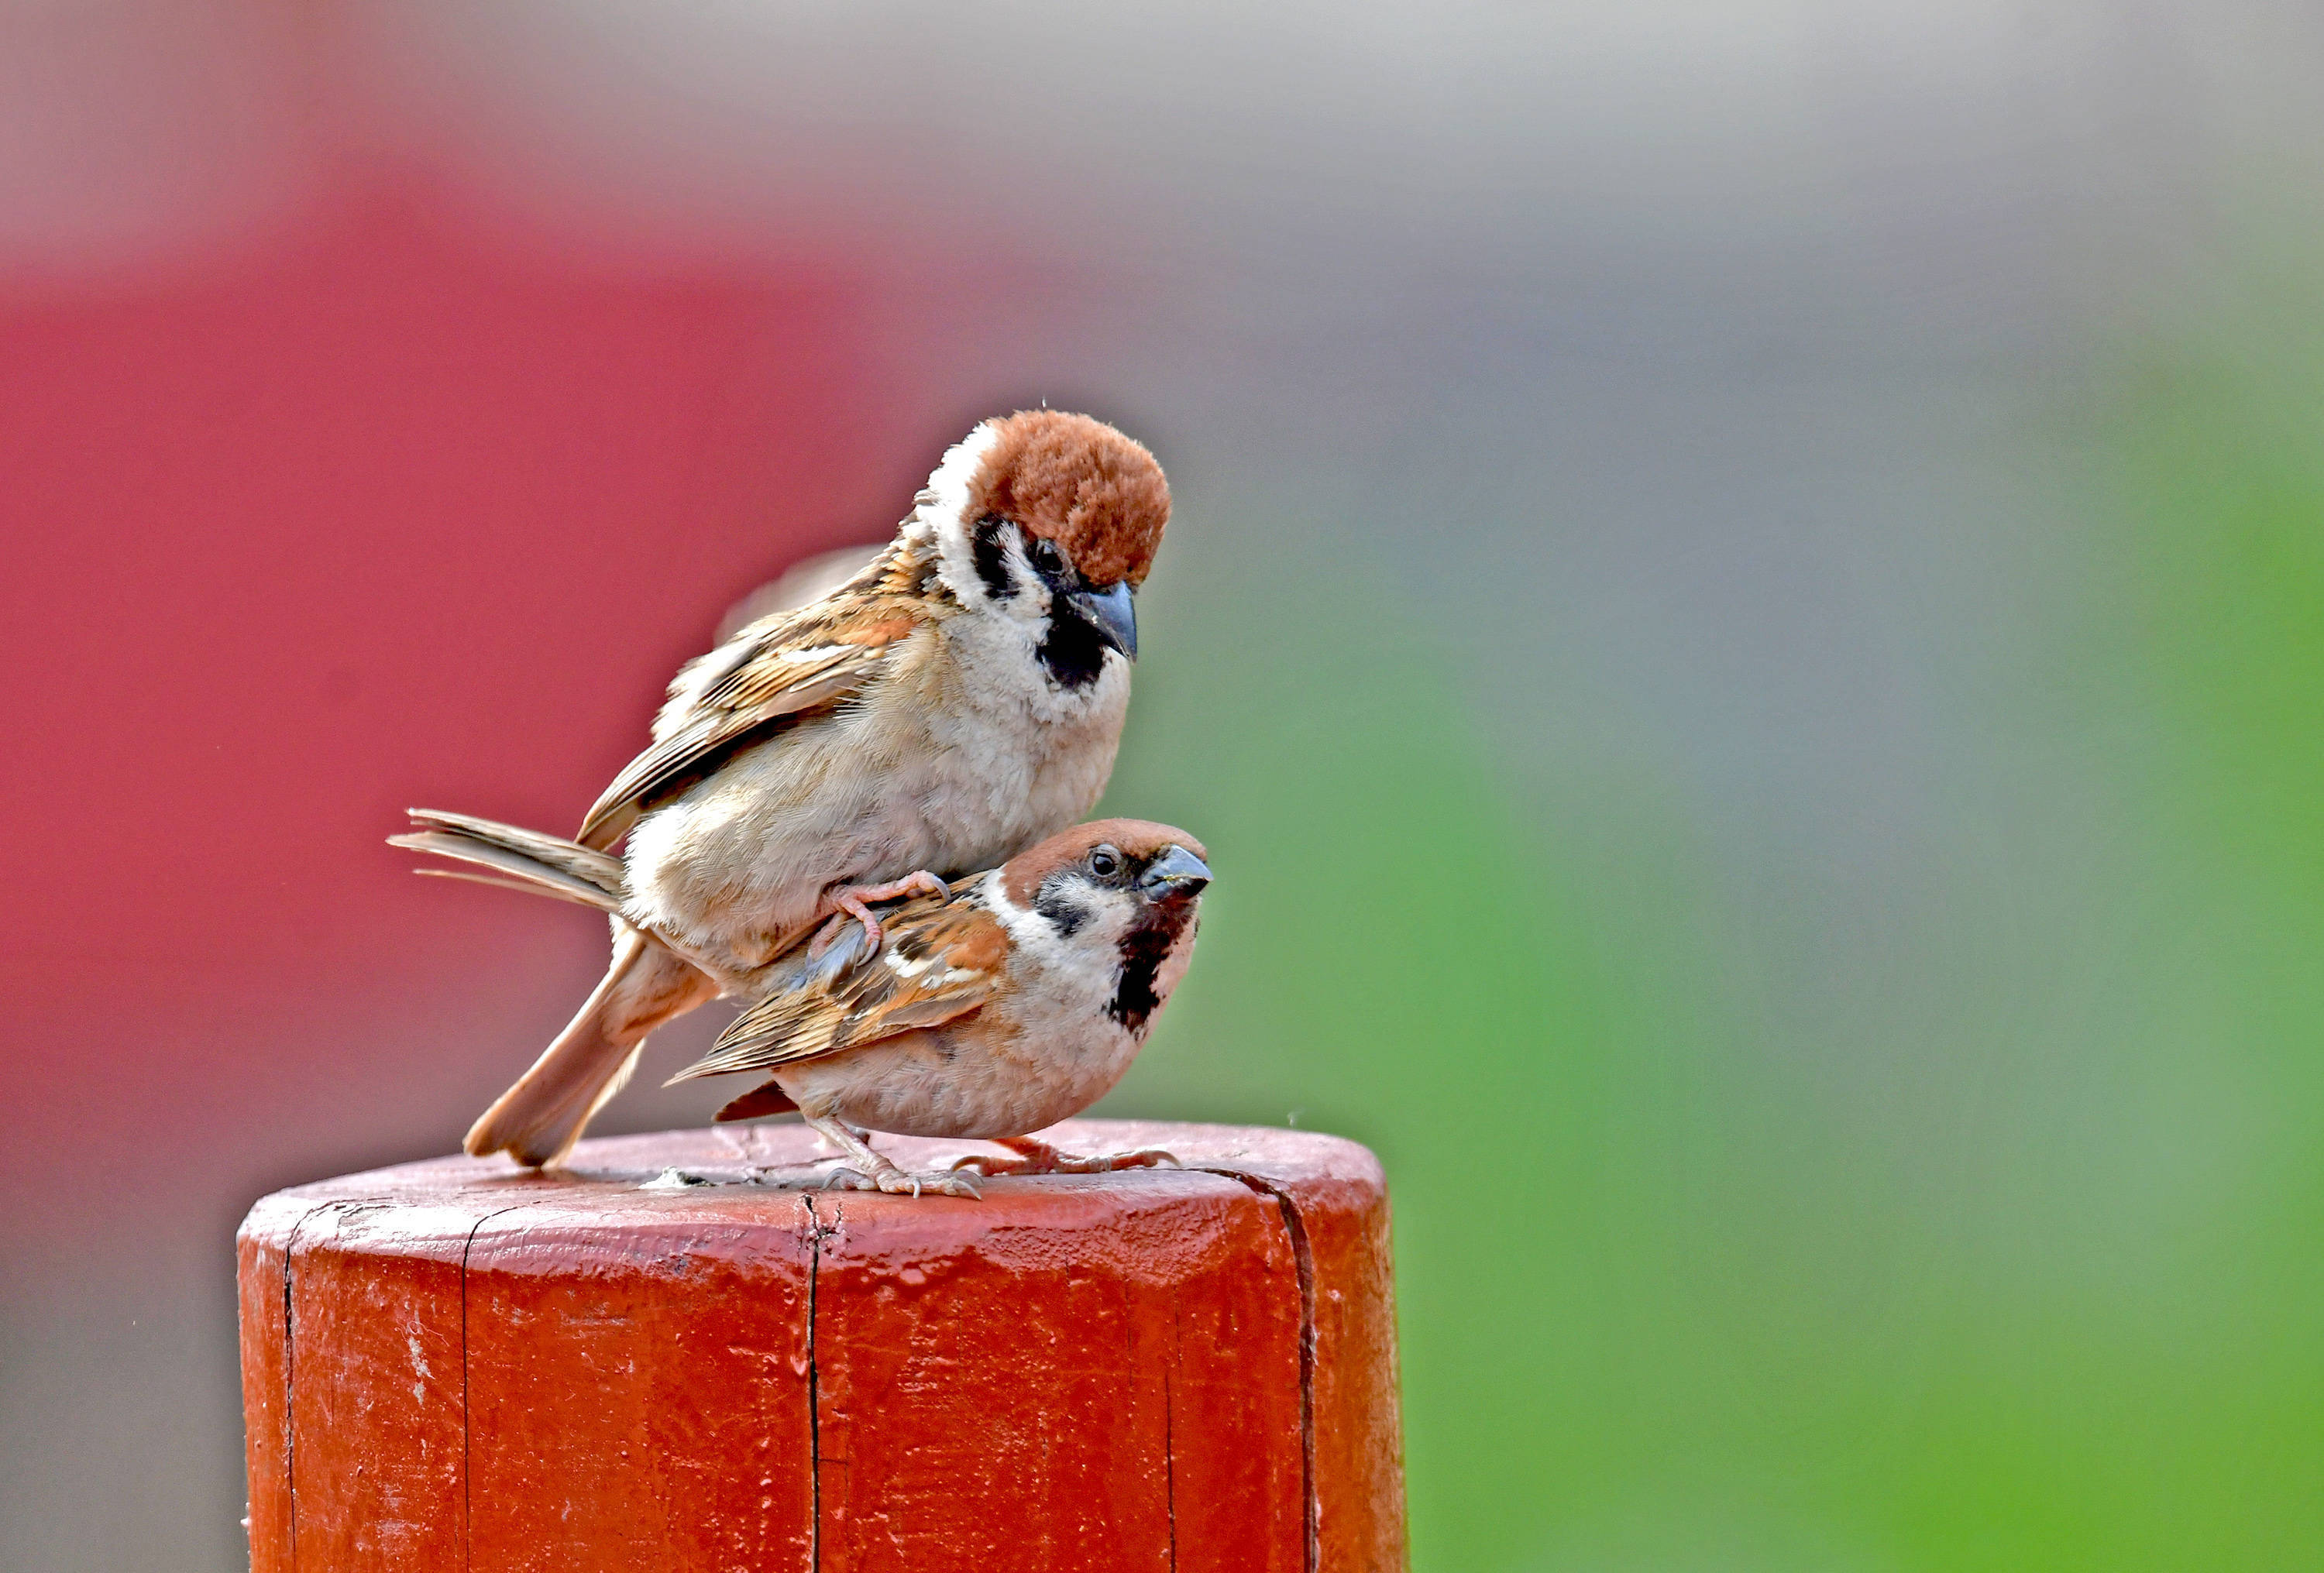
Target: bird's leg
{"points": [[828, 1145], [1035, 1157], [850, 901], [866, 1170]]}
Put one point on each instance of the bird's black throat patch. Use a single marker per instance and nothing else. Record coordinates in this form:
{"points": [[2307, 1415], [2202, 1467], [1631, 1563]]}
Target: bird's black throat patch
{"points": [[1142, 950], [1074, 653]]}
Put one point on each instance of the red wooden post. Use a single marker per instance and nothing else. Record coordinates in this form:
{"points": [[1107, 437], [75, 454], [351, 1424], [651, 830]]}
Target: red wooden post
{"points": [[671, 1356]]}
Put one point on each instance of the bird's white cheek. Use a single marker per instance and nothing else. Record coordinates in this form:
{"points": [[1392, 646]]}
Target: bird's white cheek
{"points": [[1072, 972]]}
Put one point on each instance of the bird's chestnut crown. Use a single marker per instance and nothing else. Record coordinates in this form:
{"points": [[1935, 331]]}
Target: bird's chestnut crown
{"points": [[1092, 503]]}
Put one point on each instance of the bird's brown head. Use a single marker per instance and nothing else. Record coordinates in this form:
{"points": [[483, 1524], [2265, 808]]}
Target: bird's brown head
{"points": [[1113, 899], [1096, 496], [1050, 522], [1159, 862]]}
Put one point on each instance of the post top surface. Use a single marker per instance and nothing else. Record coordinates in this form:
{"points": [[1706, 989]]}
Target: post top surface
{"points": [[722, 1163]]}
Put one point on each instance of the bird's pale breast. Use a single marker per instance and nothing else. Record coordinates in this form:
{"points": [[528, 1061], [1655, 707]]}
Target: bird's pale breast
{"points": [[939, 767]]}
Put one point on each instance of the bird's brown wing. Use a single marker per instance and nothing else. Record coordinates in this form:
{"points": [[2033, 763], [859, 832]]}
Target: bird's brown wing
{"points": [[771, 674], [940, 962]]}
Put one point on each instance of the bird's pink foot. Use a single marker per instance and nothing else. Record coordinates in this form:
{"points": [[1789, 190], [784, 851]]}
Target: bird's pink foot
{"points": [[1034, 1157], [864, 1169], [887, 1177], [849, 903]]}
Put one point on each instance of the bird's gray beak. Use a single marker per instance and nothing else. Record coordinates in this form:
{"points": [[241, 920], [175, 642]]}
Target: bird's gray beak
{"points": [[1178, 875], [1110, 611]]}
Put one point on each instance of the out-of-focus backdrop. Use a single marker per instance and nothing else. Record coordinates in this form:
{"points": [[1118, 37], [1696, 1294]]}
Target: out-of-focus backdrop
{"points": [[1745, 621]]}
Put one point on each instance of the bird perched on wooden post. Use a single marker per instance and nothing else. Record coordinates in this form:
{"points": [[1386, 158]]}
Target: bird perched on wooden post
{"points": [[952, 705], [994, 1007]]}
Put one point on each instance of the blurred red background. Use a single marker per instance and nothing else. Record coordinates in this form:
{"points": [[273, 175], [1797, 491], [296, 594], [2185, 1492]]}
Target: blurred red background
{"points": [[218, 706]]}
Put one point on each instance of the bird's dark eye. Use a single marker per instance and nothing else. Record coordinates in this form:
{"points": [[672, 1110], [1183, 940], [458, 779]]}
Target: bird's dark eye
{"points": [[1105, 863], [1045, 557]]}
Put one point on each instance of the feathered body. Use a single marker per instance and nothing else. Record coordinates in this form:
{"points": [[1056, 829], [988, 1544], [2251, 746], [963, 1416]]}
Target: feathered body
{"points": [[956, 752], [958, 701]]}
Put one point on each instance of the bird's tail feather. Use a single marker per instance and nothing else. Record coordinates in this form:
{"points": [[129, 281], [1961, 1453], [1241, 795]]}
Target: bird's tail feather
{"points": [[538, 1121], [519, 859]]}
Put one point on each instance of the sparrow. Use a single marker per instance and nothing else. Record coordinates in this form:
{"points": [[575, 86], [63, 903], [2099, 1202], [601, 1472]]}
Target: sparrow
{"points": [[956, 701], [999, 1006]]}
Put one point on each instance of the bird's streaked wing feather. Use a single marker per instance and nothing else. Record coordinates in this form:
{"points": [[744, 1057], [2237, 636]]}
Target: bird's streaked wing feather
{"points": [[940, 962], [771, 674]]}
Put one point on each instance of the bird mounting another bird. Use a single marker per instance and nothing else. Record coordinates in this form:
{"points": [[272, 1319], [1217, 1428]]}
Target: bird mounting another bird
{"points": [[895, 764]]}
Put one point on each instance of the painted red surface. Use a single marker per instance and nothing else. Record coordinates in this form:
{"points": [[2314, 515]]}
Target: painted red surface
{"points": [[451, 1364]]}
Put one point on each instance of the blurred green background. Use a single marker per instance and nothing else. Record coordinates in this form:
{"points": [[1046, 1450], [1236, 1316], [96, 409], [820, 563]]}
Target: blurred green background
{"points": [[1744, 620], [1923, 1175]]}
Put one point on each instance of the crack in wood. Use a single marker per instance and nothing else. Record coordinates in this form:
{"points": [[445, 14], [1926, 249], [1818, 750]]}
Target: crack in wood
{"points": [[1170, 1450], [1303, 1264], [290, 1370], [815, 1231], [467, 1427]]}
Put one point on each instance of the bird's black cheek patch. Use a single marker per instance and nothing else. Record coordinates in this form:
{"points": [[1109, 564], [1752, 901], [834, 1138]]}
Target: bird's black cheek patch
{"points": [[988, 549], [1065, 915]]}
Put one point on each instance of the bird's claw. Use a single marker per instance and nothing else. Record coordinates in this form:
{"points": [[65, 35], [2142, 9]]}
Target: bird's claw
{"points": [[850, 903], [895, 1181], [828, 935], [1137, 1158]]}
